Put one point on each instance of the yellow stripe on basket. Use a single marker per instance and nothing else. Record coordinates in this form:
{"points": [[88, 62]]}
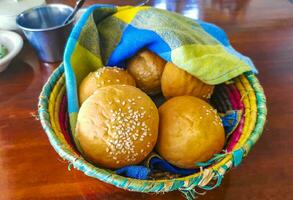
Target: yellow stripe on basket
{"points": [[246, 102], [249, 101], [169, 184], [53, 107], [127, 13], [54, 103], [250, 110], [57, 108]]}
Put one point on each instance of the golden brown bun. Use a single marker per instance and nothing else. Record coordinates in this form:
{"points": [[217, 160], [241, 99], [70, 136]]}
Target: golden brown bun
{"points": [[103, 77], [117, 126], [190, 131], [147, 68], [177, 82]]}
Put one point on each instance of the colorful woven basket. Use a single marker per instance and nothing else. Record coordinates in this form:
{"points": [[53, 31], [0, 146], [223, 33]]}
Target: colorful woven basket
{"points": [[242, 93]]}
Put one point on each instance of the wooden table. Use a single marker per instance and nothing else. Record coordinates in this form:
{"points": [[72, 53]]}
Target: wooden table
{"points": [[261, 29]]}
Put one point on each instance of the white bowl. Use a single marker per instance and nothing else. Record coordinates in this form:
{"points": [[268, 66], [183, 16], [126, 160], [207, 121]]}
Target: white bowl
{"points": [[13, 42], [9, 10]]}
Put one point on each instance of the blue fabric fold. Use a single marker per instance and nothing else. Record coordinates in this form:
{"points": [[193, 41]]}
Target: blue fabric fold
{"points": [[134, 171], [230, 120], [158, 163]]}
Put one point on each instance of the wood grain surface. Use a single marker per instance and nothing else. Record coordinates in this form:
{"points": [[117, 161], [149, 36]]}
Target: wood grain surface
{"points": [[261, 29]]}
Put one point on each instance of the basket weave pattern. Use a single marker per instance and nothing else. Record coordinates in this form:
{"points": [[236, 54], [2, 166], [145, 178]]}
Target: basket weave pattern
{"points": [[244, 93]]}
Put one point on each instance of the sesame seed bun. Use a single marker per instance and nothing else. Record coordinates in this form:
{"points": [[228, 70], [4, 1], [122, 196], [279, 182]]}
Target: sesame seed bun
{"points": [[147, 68], [117, 126], [103, 77], [190, 131], [177, 82]]}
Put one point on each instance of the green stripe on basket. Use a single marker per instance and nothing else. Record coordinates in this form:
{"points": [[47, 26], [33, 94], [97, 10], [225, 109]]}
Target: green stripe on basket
{"points": [[261, 111], [237, 157], [177, 184], [225, 167], [218, 183], [189, 191]]}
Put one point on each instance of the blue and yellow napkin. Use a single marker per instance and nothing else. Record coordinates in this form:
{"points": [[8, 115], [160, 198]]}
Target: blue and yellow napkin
{"points": [[108, 35]]}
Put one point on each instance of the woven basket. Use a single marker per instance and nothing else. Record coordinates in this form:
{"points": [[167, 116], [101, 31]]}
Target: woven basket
{"points": [[243, 92]]}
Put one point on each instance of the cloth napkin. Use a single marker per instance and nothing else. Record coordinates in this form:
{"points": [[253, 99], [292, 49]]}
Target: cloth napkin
{"points": [[109, 35]]}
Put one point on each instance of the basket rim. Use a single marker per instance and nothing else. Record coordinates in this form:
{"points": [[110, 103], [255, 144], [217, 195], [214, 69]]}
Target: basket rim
{"points": [[136, 184]]}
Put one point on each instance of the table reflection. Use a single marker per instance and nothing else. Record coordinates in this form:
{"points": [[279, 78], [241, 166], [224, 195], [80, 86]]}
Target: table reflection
{"points": [[190, 10], [195, 8]]}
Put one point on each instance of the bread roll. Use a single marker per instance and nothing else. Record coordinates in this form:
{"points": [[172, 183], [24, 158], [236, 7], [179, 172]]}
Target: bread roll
{"points": [[190, 131], [177, 82], [117, 126], [147, 68], [102, 77]]}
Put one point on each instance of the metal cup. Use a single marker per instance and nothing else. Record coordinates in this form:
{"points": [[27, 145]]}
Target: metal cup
{"points": [[44, 29]]}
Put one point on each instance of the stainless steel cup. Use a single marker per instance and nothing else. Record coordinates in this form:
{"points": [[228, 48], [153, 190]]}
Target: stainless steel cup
{"points": [[44, 29]]}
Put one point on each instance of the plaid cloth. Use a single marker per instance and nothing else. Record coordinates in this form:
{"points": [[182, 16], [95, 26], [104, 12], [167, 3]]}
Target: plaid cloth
{"points": [[109, 35]]}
